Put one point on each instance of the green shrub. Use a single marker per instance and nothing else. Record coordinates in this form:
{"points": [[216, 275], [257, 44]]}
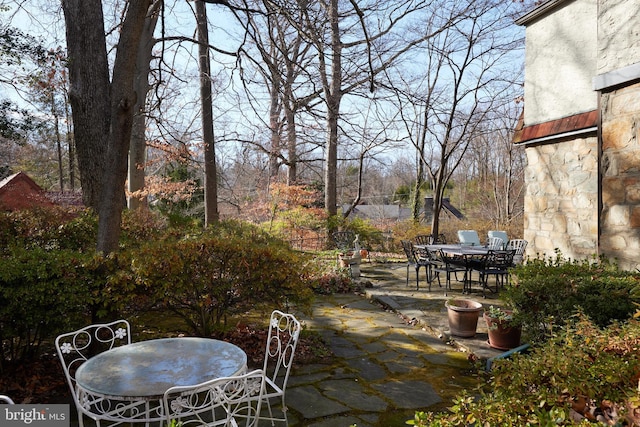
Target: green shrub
{"points": [[545, 293], [227, 270], [548, 386], [369, 236], [408, 230], [41, 293], [49, 228]]}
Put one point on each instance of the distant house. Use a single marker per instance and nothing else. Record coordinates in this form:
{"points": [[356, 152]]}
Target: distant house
{"points": [[392, 213], [18, 191], [580, 129]]}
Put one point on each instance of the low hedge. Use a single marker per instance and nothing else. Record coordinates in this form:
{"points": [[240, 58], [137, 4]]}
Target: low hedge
{"points": [[546, 292]]}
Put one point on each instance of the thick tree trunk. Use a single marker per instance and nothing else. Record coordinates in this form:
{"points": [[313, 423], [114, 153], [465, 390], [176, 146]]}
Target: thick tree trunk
{"points": [[89, 92], [122, 108], [71, 146], [334, 97], [138, 144]]}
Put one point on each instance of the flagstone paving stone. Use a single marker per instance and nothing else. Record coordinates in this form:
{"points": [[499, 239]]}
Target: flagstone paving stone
{"points": [[392, 355]]}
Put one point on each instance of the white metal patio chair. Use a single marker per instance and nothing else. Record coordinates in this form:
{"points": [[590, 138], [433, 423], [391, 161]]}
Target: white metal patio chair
{"points": [[496, 243], [6, 399], [74, 348], [519, 245], [284, 332], [499, 233], [227, 401], [469, 237]]}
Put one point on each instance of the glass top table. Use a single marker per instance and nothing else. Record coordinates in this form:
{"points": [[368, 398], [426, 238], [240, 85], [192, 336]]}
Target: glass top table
{"points": [[146, 369]]}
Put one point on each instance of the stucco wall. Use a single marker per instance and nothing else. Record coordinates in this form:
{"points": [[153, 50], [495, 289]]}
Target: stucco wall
{"points": [[560, 63], [561, 200], [618, 35]]}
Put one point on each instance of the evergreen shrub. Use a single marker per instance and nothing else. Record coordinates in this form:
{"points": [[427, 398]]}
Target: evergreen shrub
{"points": [[583, 375], [228, 269], [546, 292]]}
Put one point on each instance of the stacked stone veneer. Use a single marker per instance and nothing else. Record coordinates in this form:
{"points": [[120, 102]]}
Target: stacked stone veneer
{"points": [[561, 200], [620, 218]]}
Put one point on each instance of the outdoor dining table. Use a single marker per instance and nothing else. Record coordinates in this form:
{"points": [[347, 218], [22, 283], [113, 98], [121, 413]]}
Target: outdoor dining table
{"points": [[462, 255], [127, 383], [457, 250]]}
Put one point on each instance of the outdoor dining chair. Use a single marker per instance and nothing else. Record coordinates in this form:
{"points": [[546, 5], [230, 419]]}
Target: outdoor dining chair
{"points": [[343, 240], [6, 399], [496, 243], [519, 245], [497, 264], [423, 239], [438, 239], [417, 258], [227, 401], [448, 265], [284, 332], [498, 233], [469, 237], [430, 239], [74, 348]]}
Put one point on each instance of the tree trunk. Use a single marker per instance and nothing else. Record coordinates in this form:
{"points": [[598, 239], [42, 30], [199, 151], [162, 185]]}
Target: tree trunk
{"points": [[70, 146], [333, 95], [121, 113], [275, 127], [138, 144], [56, 121], [210, 179], [89, 92]]}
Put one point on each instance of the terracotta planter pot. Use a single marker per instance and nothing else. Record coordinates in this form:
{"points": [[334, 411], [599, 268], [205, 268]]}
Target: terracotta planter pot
{"points": [[463, 317], [502, 336]]}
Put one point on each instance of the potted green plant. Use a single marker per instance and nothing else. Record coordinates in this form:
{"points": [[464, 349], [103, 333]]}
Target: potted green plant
{"points": [[504, 332], [463, 316]]}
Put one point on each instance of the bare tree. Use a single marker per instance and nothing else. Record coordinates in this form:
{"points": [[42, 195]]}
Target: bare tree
{"points": [[282, 57], [349, 58], [463, 81]]}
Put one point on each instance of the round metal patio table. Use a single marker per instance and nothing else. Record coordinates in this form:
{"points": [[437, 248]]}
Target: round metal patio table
{"points": [[128, 382]]}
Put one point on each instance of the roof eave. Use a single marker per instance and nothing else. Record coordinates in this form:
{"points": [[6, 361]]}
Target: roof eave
{"points": [[539, 11]]}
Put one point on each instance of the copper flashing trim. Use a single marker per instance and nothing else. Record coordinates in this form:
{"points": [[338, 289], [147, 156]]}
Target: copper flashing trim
{"points": [[567, 126]]}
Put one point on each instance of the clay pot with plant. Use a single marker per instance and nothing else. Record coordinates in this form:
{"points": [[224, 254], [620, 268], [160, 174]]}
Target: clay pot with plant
{"points": [[504, 332]]}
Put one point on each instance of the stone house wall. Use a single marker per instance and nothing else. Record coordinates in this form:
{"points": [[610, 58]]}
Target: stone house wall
{"points": [[583, 177], [618, 85], [561, 200], [620, 165]]}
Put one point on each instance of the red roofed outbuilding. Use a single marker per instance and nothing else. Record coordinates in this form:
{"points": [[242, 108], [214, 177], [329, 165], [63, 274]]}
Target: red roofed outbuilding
{"points": [[18, 191]]}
